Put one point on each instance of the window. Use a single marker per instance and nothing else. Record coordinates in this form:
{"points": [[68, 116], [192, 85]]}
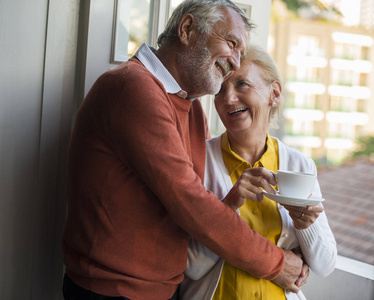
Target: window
{"points": [[131, 28], [306, 45], [345, 51]]}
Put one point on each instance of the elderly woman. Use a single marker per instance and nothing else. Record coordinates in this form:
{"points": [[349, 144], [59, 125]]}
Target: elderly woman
{"points": [[248, 104]]}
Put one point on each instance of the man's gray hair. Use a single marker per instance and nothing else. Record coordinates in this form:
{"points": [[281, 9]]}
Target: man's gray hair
{"points": [[206, 14]]}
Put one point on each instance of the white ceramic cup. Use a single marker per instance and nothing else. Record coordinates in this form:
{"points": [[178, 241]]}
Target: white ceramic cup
{"points": [[295, 184]]}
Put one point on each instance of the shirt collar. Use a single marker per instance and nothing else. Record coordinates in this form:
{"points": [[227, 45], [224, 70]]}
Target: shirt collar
{"points": [[147, 57], [269, 158], [234, 161]]}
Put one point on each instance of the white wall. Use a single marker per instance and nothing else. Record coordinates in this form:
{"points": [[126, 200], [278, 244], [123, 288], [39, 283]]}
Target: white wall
{"points": [[260, 16], [37, 69]]}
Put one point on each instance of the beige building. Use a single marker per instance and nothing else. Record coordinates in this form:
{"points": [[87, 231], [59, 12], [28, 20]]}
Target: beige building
{"points": [[328, 70], [367, 13]]}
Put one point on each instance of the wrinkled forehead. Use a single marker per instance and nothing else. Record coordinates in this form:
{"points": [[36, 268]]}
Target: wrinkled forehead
{"points": [[232, 27], [249, 72]]}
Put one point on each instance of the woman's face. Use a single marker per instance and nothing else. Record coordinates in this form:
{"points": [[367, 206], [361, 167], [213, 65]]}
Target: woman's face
{"points": [[244, 101]]}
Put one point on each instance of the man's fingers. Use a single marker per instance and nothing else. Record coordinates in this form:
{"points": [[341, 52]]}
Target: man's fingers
{"points": [[290, 272], [293, 288], [303, 276], [301, 281]]}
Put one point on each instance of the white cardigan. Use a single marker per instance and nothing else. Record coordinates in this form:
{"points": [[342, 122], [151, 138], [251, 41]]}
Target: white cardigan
{"points": [[317, 241]]}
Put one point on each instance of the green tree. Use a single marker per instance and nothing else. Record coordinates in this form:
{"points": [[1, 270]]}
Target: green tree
{"points": [[294, 5], [365, 146]]}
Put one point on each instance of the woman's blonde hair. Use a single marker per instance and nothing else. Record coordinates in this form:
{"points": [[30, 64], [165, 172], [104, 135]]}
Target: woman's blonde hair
{"points": [[270, 73]]}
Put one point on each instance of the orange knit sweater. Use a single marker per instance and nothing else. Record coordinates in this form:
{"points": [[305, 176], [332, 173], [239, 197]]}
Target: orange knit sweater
{"points": [[135, 193]]}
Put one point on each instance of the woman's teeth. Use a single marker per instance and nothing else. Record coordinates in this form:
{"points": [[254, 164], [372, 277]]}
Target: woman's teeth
{"points": [[237, 111]]}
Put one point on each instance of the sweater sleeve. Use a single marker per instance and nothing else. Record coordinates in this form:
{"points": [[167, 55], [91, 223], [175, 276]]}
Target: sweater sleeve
{"points": [[149, 140]]}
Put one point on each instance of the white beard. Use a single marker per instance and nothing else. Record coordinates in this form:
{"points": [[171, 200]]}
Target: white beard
{"points": [[203, 77]]}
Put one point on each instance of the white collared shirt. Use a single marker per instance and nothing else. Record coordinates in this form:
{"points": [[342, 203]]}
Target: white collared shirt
{"points": [[155, 66]]}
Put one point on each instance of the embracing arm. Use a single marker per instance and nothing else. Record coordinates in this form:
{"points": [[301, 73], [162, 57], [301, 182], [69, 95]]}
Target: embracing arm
{"points": [[201, 260]]}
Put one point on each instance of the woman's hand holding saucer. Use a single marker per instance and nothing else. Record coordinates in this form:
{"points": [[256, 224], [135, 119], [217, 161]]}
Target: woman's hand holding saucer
{"points": [[304, 216]]}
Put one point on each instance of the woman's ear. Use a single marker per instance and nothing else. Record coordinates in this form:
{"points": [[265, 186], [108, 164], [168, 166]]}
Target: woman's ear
{"points": [[186, 29], [276, 91]]}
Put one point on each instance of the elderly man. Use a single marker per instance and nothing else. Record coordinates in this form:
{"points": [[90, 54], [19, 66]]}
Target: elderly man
{"points": [[136, 167]]}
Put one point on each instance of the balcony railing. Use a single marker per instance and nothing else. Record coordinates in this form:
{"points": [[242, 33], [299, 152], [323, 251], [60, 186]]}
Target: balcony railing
{"points": [[350, 280]]}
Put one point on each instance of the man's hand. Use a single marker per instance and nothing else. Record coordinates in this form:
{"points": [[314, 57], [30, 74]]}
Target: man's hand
{"points": [[303, 276], [290, 273]]}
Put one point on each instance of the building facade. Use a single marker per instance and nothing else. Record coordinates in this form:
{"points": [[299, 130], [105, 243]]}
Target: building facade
{"points": [[367, 13], [327, 69]]}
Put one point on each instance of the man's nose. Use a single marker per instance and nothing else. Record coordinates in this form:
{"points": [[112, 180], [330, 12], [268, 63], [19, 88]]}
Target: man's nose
{"points": [[235, 59]]}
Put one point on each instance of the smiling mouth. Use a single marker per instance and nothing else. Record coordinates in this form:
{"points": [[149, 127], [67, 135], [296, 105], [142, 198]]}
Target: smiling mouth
{"points": [[236, 111], [224, 68]]}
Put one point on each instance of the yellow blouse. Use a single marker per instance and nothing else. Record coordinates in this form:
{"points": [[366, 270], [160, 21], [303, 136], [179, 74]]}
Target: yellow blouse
{"points": [[263, 217]]}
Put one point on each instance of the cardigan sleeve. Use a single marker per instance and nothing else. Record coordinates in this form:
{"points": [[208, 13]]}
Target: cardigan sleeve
{"points": [[317, 242], [318, 246], [147, 121], [200, 260]]}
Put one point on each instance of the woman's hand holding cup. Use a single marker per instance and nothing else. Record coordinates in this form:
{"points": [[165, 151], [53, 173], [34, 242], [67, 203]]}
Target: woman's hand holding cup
{"points": [[249, 187]]}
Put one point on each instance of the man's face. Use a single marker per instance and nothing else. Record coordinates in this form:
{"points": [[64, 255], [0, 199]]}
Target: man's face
{"points": [[208, 62]]}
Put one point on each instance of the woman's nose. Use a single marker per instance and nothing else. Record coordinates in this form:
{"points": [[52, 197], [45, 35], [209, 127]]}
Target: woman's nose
{"points": [[230, 97]]}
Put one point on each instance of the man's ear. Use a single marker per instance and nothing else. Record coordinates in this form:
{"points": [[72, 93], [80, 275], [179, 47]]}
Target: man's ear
{"points": [[186, 29]]}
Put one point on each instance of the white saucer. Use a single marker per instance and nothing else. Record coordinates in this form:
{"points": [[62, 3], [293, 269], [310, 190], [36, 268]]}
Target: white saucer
{"points": [[293, 201]]}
